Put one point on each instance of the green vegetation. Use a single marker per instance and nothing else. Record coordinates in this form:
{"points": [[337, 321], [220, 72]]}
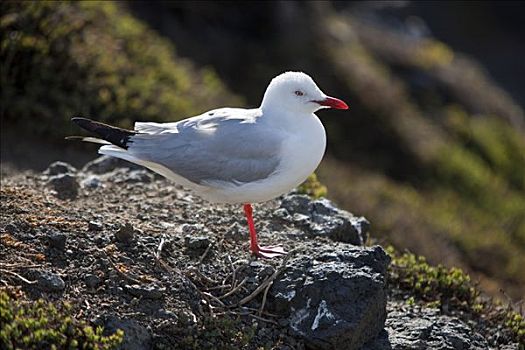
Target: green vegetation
{"points": [[313, 187], [434, 284], [452, 291], [41, 325], [63, 59]]}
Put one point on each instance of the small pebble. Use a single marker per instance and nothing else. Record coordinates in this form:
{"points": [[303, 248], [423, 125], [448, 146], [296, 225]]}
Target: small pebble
{"points": [[57, 168], [92, 280], [92, 182], [196, 242], [11, 228], [57, 240], [50, 282], [95, 226], [149, 291], [125, 233], [65, 186]]}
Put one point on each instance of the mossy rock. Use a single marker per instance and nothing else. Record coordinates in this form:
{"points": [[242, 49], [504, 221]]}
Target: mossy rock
{"points": [[41, 325], [452, 290], [62, 59]]}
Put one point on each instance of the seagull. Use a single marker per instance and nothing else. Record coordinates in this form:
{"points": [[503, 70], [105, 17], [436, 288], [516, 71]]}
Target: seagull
{"points": [[232, 155]]}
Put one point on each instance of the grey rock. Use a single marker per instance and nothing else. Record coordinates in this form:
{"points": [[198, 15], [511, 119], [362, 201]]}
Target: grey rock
{"points": [[125, 234], [236, 232], [106, 164], [136, 176], [296, 203], [57, 240], [186, 318], [163, 313], [414, 327], [334, 296], [136, 336], [95, 226], [65, 186], [196, 242], [91, 280], [11, 228], [50, 282], [321, 218], [57, 168], [91, 182], [189, 229], [149, 291]]}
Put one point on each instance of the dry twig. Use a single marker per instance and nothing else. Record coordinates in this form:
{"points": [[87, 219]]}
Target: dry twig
{"points": [[120, 273], [23, 279], [239, 286], [267, 282]]}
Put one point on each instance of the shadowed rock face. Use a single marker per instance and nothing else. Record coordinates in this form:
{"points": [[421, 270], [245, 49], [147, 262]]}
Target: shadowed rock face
{"points": [[334, 295], [323, 219]]}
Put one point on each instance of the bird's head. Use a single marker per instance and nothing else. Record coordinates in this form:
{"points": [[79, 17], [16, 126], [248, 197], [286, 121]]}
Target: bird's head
{"points": [[297, 92]]}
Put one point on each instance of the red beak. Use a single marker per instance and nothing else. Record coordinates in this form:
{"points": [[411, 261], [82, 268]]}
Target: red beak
{"points": [[333, 102]]}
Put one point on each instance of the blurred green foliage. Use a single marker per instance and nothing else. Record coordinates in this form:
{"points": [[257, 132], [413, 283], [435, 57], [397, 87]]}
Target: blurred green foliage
{"points": [[41, 325], [442, 169], [313, 187], [63, 59]]}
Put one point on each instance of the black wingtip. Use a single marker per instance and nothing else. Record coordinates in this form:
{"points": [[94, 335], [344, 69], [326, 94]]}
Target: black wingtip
{"points": [[117, 136]]}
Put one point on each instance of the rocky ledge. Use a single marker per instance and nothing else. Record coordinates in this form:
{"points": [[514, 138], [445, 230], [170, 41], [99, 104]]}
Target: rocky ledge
{"points": [[130, 250]]}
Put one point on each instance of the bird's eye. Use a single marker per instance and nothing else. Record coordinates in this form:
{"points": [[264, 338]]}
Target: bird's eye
{"points": [[299, 93]]}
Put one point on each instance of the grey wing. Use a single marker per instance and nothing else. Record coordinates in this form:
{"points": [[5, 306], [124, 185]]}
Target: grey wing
{"points": [[213, 149]]}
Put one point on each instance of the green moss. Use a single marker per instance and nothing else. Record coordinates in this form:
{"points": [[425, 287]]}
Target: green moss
{"points": [[448, 286], [61, 59], [41, 325], [451, 290], [313, 187]]}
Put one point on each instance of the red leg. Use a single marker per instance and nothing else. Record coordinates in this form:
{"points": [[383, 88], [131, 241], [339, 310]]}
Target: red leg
{"points": [[263, 252]]}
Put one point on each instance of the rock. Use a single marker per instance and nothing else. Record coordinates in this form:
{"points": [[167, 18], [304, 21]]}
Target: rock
{"points": [[194, 230], [196, 242], [125, 233], [124, 175], [334, 296], [92, 182], [149, 291], [57, 168], [136, 336], [163, 313], [11, 228], [106, 164], [186, 318], [91, 280], [136, 176], [236, 232], [321, 218], [57, 240], [65, 186], [95, 226], [50, 282], [414, 327]]}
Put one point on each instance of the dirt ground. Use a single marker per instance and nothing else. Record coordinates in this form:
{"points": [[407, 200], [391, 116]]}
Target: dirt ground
{"points": [[137, 246]]}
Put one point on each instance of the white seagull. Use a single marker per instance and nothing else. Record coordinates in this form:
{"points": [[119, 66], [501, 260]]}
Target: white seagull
{"points": [[233, 155]]}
